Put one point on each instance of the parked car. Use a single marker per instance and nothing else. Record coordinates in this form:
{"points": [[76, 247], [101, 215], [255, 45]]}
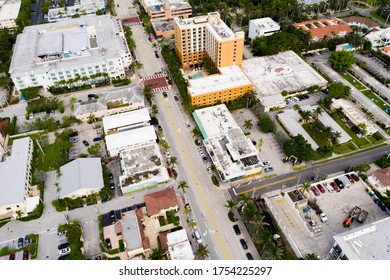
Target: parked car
{"points": [[165, 94], [321, 188], [61, 233], [27, 240], [200, 152], [339, 183], [112, 214], [97, 139], [198, 237], [315, 191], [237, 229], [108, 242], [64, 251], [156, 54], [249, 256], [356, 178], [328, 187], [85, 142], [112, 186], [11, 256], [63, 246], [25, 255], [20, 242], [278, 240], [169, 172], [74, 134], [334, 186], [63, 257], [209, 169], [267, 163], [111, 176], [243, 244], [350, 178], [268, 169], [176, 98], [73, 140]]}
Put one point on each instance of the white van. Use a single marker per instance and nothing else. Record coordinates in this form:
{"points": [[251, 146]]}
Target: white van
{"points": [[328, 187]]}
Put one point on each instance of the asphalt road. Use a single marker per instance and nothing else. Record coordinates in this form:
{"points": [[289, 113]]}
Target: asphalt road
{"points": [[257, 188]]}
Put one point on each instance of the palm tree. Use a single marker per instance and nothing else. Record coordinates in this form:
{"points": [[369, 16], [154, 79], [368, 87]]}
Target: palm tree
{"points": [[339, 112], [264, 239], [192, 224], [213, 168], [256, 225], [72, 101], [148, 94], [260, 142], [328, 131], [183, 186], [154, 109], [245, 198], [335, 137], [172, 161], [273, 252], [249, 211], [318, 111], [91, 118], [196, 131], [305, 187], [248, 124], [164, 144], [186, 210], [311, 256], [305, 116], [202, 252], [230, 204], [363, 128]]}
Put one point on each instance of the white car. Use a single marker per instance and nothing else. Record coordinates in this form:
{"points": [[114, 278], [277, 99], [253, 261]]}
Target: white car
{"points": [[209, 169], [198, 236], [168, 155], [268, 163], [64, 251], [61, 233], [201, 152]]}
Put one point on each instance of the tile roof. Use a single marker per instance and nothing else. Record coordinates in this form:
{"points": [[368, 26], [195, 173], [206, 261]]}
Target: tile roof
{"points": [[2, 124], [155, 202], [363, 20], [383, 175], [337, 29], [321, 27], [164, 240], [145, 239]]}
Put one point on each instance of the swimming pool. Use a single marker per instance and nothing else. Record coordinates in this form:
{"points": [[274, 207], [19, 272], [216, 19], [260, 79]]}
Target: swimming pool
{"points": [[348, 47], [197, 75]]}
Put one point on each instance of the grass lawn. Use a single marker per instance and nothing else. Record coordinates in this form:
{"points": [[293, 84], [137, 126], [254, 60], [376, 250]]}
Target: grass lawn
{"points": [[360, 142], [375, 99], [162, 221], [55, 156], [376, 138], [352, 80], [316, 134], [344, 148]]}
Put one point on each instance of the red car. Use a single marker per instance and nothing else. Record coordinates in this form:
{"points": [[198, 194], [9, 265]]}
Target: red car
{"points": [[315, 190], [25, 255], [350, 179], [321, 188], [11, 256], [334, 186], [356, 178]]}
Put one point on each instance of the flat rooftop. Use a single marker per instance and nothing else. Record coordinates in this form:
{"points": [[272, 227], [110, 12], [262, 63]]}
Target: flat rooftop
{"points": [[369, 242], [229, 77], [178, 245], [126, 119], [86, 5], [289, 118], [229, 149], [163, 25], [329, 121], [354, 115], [130, 138], [285, 71], [131, 231], [13, 173], [68, 43], [9, 9], [266, 23], [213, 21]]}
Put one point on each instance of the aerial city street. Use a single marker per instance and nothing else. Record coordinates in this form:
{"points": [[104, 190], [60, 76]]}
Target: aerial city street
{"points": [[194, 130]]}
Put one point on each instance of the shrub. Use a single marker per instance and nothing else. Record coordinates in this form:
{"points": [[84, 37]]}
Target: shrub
{"points": [[266, 124], [215, 180]]}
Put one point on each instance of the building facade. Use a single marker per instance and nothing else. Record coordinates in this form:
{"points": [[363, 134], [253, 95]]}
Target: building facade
{"points": [[207, 35], [81, 49], [9, 11], [157, 9], [262, 27], [80, 7]]}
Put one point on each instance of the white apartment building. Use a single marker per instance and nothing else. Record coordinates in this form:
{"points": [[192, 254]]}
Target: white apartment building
{"points": [[16, 193], [80, 47], [262, 27], [207, 35], [9, 11], [80, 7]]}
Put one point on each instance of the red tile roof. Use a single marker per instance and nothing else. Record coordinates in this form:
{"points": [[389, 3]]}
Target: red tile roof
{"points": [[383, 176], [164, 240], [155, 202], [2, 124], [370, 23], [318, 31]]}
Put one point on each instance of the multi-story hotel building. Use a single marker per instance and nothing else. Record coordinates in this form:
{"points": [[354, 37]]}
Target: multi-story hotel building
{"points": [[9, 11], [80, 47], [207, 35], [163, 9]]}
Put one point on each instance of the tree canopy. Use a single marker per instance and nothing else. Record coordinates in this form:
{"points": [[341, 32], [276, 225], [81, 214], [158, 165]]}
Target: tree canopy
{"points": [[299, 147], [338, 90], [341, 61]]}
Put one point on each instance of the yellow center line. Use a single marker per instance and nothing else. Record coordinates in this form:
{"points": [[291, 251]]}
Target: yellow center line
{"points": [[267, 185], [196, 181]]}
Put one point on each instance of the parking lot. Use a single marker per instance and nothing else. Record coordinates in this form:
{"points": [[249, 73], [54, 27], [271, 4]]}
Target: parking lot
{"points": [[306, 230], [375, 65]]}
